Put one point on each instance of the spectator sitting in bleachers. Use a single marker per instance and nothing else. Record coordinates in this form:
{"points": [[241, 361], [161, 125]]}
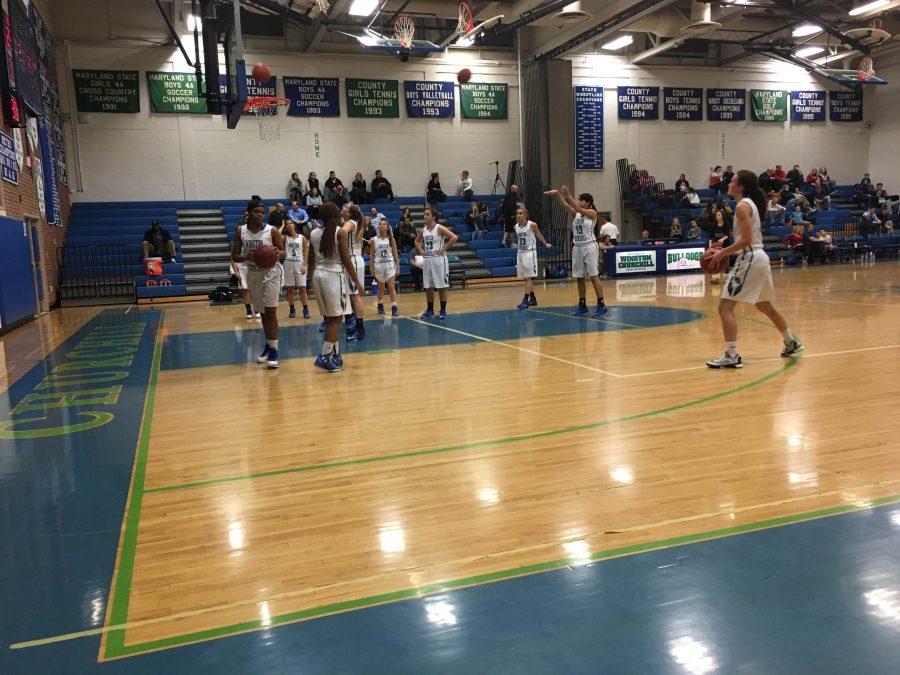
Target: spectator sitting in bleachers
{"points": [[299, 217], [828, 247], [794, 241], [827, 183], [727, 175], [313, 202], [879, 195], [675, 228], [681, 185], [312, 181], [368, 227], [869, 222], [715, 177], [819, 197], [294, 189], [158, 243], [778, 174], [766, 182], [889, 228], [407, 231], [278, 217], [433, 193], [338, 196], [473, 219], [709, 216], [465, 189], [381, 187], [485, 215], [330, 184], [775, 212], [863, 189], [797, 216], [693, 199], [795, 176], [358, 192], [694, 232], [812, 245], [645, 237], [812, 176], [725, 208], [376, 217], [797, 199]]}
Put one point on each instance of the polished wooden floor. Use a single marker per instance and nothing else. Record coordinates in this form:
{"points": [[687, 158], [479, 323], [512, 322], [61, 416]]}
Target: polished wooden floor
{"points": [[270, 493]]}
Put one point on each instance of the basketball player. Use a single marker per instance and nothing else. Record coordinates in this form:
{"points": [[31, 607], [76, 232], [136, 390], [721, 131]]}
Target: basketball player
{"points": [[264, 284], [384, 263], [585, 253], [527, 233], [297, 248], [432, 242], [751, 278], [351, 215], [332, 270]]}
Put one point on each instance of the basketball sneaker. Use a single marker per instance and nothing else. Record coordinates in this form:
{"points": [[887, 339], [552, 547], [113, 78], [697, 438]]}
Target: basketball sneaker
{"points": [[326, 362], [443, 315], [358, 333], [337, 358], [305, 312], [726, 361], [523, 304], [601, 309], [427, 314], [293, 313], [532, 301], [273, 358], [249, 315], [381, 308], [581, 309], [262, 358], [350, 323], [791, 349], [322, 327], [395, 311], [257, 316]]}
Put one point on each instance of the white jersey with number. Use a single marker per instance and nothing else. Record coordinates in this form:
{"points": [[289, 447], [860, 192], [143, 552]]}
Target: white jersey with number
{"points": [[525, 239], [293, 247], [432, 240], [384, 254], [254, 240], [583, 230]]}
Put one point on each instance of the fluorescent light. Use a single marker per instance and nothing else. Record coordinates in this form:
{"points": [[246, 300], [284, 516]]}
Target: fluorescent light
{"points": [[619, 42], [808, 51], [805, 29], [366, 7], [862, 9], [193, 21], [463, 41], [840, 56]]}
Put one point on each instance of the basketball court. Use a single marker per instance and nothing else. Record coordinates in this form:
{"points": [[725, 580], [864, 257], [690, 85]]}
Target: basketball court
{"points": [[516, 488]]}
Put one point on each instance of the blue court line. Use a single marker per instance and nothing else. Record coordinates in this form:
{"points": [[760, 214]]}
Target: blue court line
{"points": [[195, 350]]}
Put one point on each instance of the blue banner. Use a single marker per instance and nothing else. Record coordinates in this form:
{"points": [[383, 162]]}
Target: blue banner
{"points": [[313, 96], [683, 104], [48, 161], [845, 106], [9, 167], [254, 89], [638, 103], [429, 99], [589, 128], [726, 105], [807, 106]]}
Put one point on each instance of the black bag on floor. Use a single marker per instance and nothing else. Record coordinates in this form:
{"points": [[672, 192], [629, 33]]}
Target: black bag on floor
{"points": [[221, 294]]}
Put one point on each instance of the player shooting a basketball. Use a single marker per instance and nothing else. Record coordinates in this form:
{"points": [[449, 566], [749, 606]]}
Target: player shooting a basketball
{"points": [[261, 247], [751, 278]]}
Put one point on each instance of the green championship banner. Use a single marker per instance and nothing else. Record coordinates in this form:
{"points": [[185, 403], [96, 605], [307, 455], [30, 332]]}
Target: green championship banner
{"points": [[174, 93], [107, 91], [372, 98], [483, 101], [768, 105]]}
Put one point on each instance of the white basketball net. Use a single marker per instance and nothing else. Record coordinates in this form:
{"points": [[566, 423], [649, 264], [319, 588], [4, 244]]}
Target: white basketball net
{"points": [[269, 111], [404, 31], [865, 69], [466, 19]]}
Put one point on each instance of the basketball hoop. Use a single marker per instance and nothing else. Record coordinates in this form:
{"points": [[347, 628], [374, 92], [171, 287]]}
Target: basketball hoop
{"points": [[865, 69], [269, 111], [877, 24], [404, 31], [466, 19]]}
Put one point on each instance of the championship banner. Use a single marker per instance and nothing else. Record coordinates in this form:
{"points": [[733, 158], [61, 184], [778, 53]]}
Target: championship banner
{"points": [[683, 104], [589, 128], [174, 93], [254, 90], [107, 91], [483, 101], [9, 169], [768, 105], [681, 259], [726, 105], [372, 98], [429, 99], [313, 96], [845, 106], [807, 106], [633, 262], [638, 103], [53, 205]]}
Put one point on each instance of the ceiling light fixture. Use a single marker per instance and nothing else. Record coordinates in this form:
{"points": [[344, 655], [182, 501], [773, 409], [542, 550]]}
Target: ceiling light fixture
{"points": [[618, 43], [862, 9], [808, 51], [363, 7], [805, 29]]}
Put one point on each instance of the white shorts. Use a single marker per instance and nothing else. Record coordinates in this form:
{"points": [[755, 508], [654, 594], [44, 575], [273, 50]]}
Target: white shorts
{"points": [[331, 292], [360, 266], [585, 261], [264, 286], [751, 278], [242, 275], [526, 264], [435, 272], [293, 274], [385, 272]]}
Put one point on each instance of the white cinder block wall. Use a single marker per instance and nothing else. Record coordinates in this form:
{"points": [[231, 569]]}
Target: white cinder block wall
{"points": [[148, 156], [884, 138]]}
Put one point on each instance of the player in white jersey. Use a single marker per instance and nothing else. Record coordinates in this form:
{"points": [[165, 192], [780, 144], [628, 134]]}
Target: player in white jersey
{"points": [[296, 249], [527, 236], [585, 252], [351, 215], [332, 271], [384, 263], [432, 242], [264, 284], [751, 278]]}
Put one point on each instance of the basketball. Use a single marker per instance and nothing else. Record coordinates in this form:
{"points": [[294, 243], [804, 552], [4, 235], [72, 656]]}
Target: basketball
{"points": [[262, 73], [707, 265], [265, 256], [464, 75]]}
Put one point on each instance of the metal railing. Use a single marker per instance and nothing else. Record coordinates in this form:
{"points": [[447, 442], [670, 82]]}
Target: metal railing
{"points": [[96, 274]]}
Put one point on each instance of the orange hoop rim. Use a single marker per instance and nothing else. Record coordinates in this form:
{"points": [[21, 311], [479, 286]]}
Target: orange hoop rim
{"points": [[466, 19], [404, 30], [266, 102], [865, 68]]}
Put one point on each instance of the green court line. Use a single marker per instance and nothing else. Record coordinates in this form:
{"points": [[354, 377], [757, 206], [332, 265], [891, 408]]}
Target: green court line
{"points": [[490, 577], [121, 595], [475, 444]]}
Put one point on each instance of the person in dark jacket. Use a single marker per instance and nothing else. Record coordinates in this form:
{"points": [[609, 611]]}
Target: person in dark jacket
{"points": [[381, 187], [158, 243], [433, 193], [358, 192]]}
